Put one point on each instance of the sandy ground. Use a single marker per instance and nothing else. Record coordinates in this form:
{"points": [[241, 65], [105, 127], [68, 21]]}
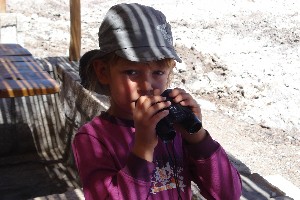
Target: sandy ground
{"points": [[241, 61]]}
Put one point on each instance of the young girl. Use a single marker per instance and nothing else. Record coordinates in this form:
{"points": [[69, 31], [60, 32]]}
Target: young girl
{"points": [[119, 154]]}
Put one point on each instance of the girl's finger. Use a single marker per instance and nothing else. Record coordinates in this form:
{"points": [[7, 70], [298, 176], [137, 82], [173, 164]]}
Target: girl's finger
{"points": [[157, 92], [147, 107], [159, 115]]}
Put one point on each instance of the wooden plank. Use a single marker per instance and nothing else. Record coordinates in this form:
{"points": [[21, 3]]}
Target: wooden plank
{"points": [[20, 88], [75, 35], [2, 6], [27, 84], [10, 46], [16, 58], [13, 50], [27, 75], [19, 67]]}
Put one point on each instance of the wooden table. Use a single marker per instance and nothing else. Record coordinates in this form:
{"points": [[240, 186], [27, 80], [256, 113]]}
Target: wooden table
{"points": [[21, 75]]}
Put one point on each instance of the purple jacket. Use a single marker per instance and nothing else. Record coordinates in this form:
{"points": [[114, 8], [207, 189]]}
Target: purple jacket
{"points": [[108, 169]]}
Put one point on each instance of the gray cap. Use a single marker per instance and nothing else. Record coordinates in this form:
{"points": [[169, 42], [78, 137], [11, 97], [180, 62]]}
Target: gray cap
{"points": [[137, 33]]}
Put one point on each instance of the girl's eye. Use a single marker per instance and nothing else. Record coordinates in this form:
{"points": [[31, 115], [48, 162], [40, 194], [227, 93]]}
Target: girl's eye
{"points": [[158, 72], [130, 72]]}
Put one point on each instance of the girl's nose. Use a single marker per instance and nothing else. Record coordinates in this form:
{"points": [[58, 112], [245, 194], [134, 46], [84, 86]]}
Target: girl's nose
{"points": [[146, 86]]}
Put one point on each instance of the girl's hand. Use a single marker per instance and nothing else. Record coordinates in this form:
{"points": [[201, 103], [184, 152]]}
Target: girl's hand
{"points": [[185, 99], [146, 115]]}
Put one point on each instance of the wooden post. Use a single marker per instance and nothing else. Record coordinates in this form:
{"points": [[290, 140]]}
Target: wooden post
{"points": [[2, 6], [75, 40]]}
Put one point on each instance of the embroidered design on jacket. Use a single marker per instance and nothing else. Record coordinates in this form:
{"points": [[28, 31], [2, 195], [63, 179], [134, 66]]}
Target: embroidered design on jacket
{"points": [[164, 178]]}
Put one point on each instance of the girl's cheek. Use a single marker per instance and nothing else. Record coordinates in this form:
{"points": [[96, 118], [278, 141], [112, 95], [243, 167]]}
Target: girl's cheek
{"points": [[133, 93]]}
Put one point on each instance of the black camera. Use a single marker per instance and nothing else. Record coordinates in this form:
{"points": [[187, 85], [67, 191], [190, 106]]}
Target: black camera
{"points": [[178, 114]]}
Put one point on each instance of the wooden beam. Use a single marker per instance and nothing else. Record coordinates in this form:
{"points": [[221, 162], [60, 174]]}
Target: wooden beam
{"points": [[75, 40], [2, 6]]}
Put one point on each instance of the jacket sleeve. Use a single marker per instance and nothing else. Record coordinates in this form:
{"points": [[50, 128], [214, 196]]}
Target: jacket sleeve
{"points": [[100, 177], [212, 171]]}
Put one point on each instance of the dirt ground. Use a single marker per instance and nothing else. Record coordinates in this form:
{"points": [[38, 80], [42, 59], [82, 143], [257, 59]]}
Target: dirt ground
{"points": [[241, 61]]}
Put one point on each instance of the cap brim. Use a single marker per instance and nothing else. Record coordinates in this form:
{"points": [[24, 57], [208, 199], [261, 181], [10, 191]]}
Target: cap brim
{"points": [[146, 54]]}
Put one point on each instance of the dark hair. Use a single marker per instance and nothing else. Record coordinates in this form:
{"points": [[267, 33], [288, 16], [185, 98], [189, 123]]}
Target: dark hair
{"points": [[88, 76], [83, 64]]}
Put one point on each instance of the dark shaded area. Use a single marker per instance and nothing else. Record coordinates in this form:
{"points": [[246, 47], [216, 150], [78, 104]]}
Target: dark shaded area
{"points": [[32, 179], [16, 140], [34, 150]]}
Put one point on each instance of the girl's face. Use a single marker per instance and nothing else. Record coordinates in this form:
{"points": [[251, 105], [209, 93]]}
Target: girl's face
{"points": [[129, 80]]}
